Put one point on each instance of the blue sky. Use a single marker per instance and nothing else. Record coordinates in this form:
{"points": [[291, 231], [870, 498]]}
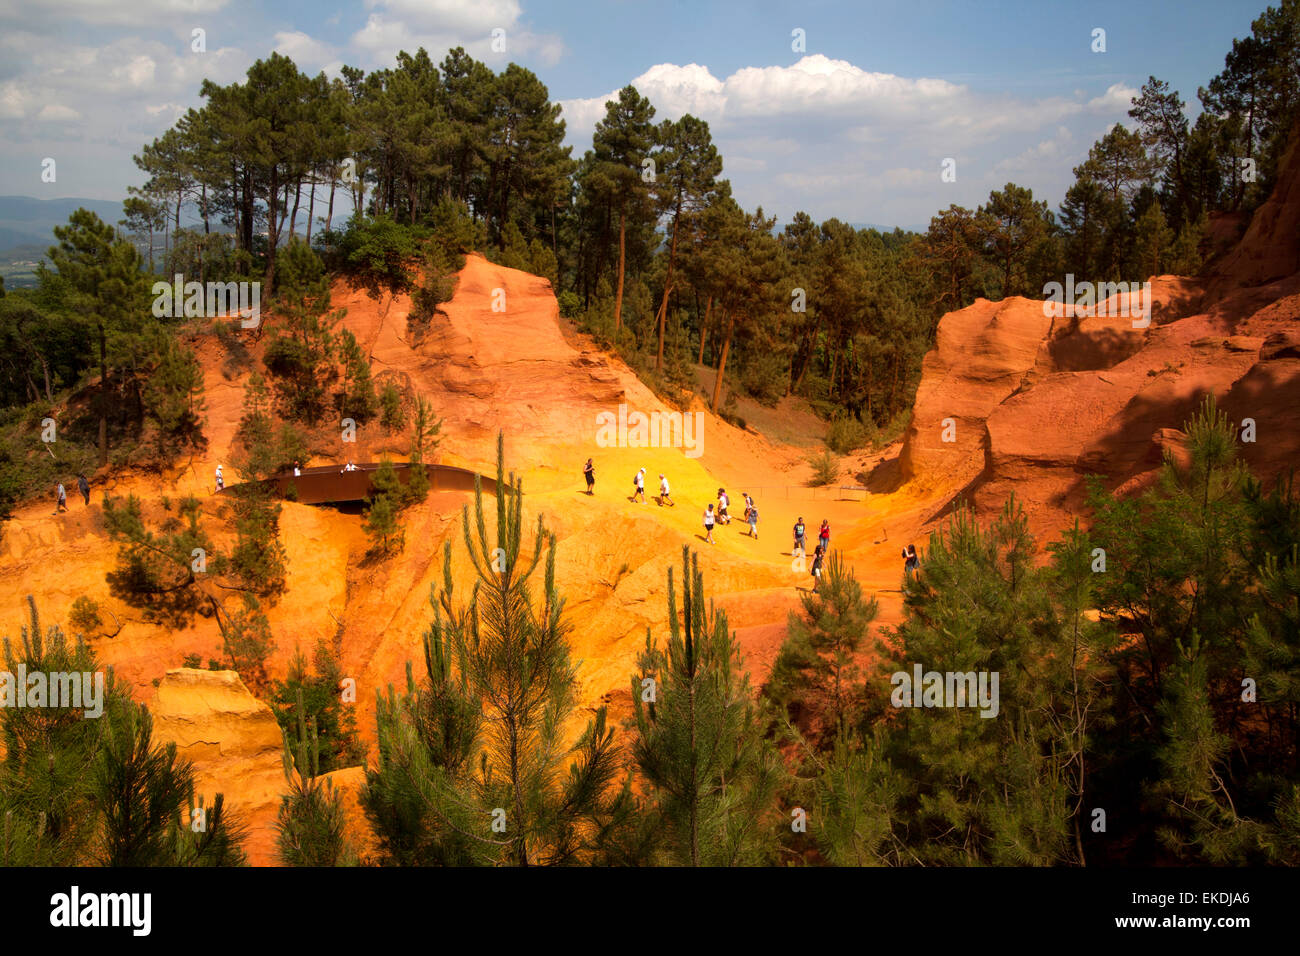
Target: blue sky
{"points": [[854, 126]]}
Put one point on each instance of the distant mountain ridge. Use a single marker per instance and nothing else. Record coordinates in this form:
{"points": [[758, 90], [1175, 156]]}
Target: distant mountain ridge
{"points": [[25, 220]]}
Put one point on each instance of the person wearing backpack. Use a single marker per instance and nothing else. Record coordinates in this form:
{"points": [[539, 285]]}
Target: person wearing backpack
{"points": [[753, 520], [638, 486], [800, 540]]}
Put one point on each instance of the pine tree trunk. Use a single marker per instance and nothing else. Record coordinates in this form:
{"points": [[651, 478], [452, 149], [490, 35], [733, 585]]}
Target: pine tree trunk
{"points": [[272, 195], [668, 285], [329, 217], [618, 296], [103, 396], [722, 363], [311, 207], [704, 328]]}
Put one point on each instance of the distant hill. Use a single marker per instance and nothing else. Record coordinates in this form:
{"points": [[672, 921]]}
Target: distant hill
{"points": [[879, 228], [25, 221]]}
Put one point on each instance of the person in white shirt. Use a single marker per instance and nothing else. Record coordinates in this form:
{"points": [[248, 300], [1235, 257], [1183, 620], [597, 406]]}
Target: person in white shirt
{"points": [[639, 486], [221, 481], [708, 524], [664, 493]]}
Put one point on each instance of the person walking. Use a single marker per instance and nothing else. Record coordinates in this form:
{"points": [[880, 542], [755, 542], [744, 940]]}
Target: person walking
{"points": [[752, 514], [709, 518], [60, 499], [589, 472], [911, 561], [818, 556], [221, 479], [664, 493], [723, 504], [84, 487], [638, 486], [800, 538], [824, 537]]}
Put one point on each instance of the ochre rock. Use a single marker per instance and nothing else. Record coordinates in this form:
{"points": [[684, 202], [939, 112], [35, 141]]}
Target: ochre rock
{"points": [[234, 743]]}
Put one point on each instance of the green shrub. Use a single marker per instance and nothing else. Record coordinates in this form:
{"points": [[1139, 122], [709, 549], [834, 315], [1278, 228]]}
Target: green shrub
{"points": [[846, 434], [825, 469], [392, 406], [84, 616], [375, 252], [570, 304]]}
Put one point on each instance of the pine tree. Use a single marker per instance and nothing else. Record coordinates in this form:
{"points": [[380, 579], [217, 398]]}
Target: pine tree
{"points": [[854, 807], [621, 144], [311, 827], [103, 280], [140, 790], [700, 747], [817, 666], [979, 789], [424, 441], [248, 641], [1204, 821], [523, 798], [386, 499], [300, 358], [429, 732], [49, 753], [357, 398], [1082, 681], [316, 686]]}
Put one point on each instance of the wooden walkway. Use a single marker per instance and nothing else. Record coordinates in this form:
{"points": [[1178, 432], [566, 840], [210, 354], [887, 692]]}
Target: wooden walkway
{"points": [[324, 484]]}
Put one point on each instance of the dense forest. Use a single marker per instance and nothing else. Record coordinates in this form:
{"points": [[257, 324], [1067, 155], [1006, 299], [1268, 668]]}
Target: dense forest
{"points": [[1175, 712]]}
